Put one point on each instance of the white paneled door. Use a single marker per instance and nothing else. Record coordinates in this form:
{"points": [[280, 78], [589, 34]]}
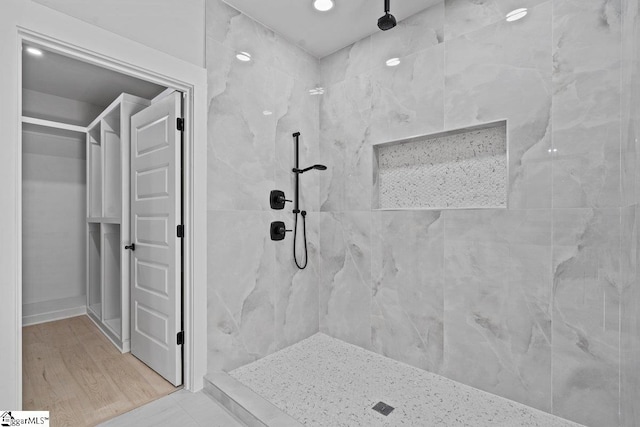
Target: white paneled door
{"points": [[156, 278]]}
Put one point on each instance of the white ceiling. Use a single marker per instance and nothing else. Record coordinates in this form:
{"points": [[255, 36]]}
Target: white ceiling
{"points": [[322, 33], [69, 78]]}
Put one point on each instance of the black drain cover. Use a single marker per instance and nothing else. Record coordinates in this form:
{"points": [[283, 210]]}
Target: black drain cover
{"points": [[383, 408]]}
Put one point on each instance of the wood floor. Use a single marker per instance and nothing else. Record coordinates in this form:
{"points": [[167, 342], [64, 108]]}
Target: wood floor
{"points": [[72, 370]]}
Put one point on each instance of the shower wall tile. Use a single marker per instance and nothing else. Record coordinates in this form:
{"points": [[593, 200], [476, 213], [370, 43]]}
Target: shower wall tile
{"points": [[407, 100], [497, 296], [503, 71], [629, 150], [464, 16], [629, 319], [586, 315], [345, 276], [513, 279], [254, 108], [469, 294], [240, 306], [358, 165], [630, 102], [241, 149], [219, 18], [296, 302], [586, 103], [630, 256], [390, 103], [346, 184], [412, 35], [347, 62], [239, 32], [258, 301], [220, 62], [301, 115], [408, 285], [345, 116], [255, 77]]}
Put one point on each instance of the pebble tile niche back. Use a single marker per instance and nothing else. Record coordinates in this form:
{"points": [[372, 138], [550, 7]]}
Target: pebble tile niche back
{"points": [[458, 169]]}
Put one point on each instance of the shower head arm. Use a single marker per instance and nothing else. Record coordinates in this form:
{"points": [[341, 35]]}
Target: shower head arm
{"points": [[387, 6], [301, 171]]}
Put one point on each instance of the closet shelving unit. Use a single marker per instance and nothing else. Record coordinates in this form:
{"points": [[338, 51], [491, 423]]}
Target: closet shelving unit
{"points": [[108, 228]]}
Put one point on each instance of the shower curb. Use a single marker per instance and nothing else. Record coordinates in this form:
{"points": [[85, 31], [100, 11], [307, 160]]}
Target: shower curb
{"points": [[248, 406]]}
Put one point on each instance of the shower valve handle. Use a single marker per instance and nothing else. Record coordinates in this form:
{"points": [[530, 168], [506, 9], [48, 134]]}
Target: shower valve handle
{"points": [[277, 199], [278, 231]]}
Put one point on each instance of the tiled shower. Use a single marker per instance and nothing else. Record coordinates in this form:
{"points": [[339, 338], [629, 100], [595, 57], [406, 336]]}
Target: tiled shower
{"points": [[536, 302]]}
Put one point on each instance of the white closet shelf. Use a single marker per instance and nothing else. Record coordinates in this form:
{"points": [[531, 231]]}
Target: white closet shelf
{"points": [[125, 97], [103, 220], [52, 124]]}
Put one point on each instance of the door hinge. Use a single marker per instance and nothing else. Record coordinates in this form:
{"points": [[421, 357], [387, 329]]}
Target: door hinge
{"points": [[180, 337], [181, 231], [180, 124]]}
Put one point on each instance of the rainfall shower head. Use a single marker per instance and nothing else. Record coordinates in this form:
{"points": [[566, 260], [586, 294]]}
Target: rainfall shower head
{"points": [[388, 21]]}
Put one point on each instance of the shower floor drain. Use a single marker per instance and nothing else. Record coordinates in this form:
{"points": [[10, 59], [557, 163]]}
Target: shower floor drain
{"points": [[383, 408]]}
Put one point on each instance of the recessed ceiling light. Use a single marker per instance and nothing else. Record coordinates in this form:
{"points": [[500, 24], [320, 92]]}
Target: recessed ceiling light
{"points": [[316, 91], [323, 5], [243, 56], [33, 51], [267, 112], [514, 15], [392, 62]]}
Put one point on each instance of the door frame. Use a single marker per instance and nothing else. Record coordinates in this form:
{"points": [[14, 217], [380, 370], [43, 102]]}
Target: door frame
{"points": [[39, 25]]}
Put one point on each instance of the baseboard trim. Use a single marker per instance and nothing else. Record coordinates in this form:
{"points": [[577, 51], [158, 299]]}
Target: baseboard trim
{"points": [[52, 315]]}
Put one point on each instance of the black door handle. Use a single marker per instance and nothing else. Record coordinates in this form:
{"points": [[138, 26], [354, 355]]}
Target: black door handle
{"points": [[131, 246]]}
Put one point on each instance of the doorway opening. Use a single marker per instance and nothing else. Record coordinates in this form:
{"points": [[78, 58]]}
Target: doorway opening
{"points": [[102, 253]]}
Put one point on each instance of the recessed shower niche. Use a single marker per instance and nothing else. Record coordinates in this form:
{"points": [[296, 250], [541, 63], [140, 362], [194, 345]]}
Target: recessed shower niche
{"points": [[462, 168]]}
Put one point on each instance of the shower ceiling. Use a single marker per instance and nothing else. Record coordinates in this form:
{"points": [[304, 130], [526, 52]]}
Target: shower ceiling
{"points": [[322, 33]]}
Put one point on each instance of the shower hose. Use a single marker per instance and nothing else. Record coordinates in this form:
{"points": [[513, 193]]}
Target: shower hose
{"points": [[295, 239]]}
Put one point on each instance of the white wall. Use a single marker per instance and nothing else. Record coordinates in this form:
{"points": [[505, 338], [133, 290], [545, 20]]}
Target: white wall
{"points": [[168, 70], [50, 107], [175, 27], [53, 199], [53, 216]]}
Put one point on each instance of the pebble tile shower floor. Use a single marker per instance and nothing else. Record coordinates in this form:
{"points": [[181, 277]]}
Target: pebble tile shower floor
{"points": [[322, 381]]}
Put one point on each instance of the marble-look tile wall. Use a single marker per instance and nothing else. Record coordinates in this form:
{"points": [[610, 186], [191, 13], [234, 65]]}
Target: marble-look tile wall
{"points": [[258, 301], [630, 180], [537, 303]]}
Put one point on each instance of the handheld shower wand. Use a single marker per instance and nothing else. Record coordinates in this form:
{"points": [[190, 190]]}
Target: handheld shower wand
{"points": [[296, 208]]}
